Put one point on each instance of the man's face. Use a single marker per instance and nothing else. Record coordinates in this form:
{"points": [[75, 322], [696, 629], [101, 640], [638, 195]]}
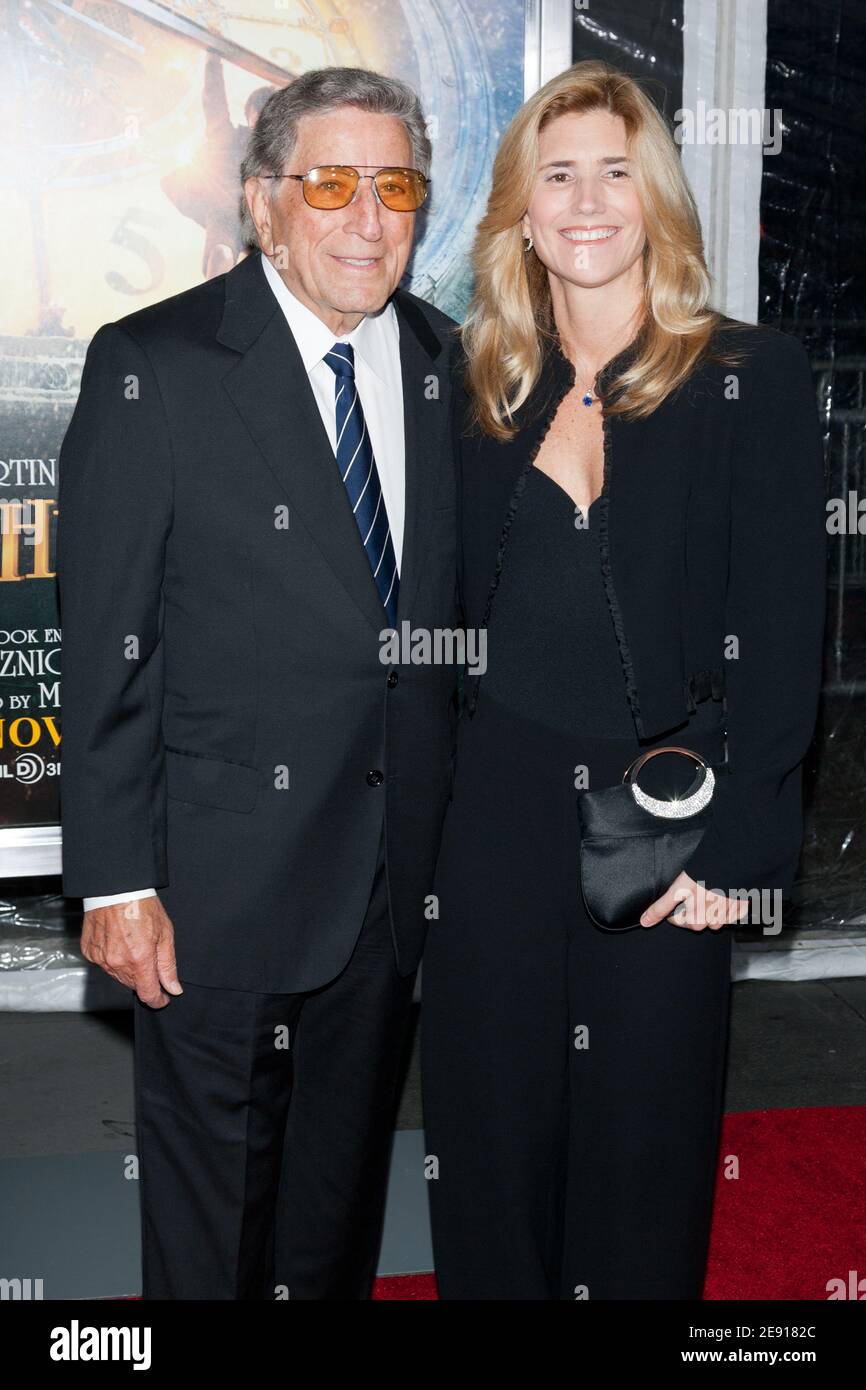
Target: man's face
{"points": [[345, 262]]}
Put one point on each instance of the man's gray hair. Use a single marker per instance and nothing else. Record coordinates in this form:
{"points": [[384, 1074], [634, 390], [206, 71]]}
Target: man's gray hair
{"points": [[273, 139]]}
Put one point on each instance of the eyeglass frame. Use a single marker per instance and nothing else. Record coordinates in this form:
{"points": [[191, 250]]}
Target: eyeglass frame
{"points": [[386, 168]]}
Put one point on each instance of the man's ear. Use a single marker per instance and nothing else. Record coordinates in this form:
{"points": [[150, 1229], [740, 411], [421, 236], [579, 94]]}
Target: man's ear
{"points": [[259, 206]]}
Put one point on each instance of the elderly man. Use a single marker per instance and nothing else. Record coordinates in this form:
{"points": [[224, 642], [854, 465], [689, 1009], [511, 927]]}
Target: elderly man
{"points": [[256, 485]]}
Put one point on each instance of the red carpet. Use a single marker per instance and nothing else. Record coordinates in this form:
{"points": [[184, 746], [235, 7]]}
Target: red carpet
{"points": [[795, 1218], [403, 1287], [791, 1221]]}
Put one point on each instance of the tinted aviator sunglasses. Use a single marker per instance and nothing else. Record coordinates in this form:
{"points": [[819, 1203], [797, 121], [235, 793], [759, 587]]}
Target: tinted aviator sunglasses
{"points": [[335, 185]]}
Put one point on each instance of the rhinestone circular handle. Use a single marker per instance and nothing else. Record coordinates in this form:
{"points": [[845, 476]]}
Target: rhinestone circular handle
{"points": [[676, 809]]}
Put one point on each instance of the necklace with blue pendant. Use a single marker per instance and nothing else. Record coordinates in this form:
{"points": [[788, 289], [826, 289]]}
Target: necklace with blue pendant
{"points": [[587, 398]]}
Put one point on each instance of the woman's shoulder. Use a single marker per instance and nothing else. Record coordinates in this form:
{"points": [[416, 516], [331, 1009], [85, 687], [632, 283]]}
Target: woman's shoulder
{"points": [[757, 346], [747, 362]]}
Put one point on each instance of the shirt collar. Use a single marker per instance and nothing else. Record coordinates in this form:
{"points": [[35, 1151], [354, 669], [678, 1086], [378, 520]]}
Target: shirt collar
{"points": [[314, 338]]}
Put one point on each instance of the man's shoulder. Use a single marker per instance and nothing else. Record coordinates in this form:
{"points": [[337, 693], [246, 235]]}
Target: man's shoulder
{"points": [[190, 315]]}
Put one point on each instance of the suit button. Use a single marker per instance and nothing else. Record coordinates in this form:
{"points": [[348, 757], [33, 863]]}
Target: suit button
{"points": [[375, 778], [392, 679]]}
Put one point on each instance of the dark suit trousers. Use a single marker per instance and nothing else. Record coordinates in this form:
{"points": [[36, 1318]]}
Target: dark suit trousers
{"points": [[264, 1130]]}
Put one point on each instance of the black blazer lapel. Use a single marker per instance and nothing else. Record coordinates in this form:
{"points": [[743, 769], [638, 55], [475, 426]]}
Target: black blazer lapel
{"points": [[425, 424]]}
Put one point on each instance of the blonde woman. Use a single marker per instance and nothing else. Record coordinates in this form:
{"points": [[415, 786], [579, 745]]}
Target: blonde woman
{"points": [[641, 504]]}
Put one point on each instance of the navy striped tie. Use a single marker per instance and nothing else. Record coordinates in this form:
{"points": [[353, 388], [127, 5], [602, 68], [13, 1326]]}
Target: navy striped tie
{"points": [[361, 477]]}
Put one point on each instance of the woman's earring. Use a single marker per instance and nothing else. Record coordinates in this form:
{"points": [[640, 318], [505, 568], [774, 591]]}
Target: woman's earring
{"points": [[527, 243]]}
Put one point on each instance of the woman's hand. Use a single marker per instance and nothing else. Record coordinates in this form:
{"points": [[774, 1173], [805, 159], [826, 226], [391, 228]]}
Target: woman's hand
{"points": [[688, 905]]}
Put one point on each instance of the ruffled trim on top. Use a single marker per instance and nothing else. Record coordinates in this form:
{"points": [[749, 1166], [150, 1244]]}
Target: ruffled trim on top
{"points": [[607, 578], [602, 381]]}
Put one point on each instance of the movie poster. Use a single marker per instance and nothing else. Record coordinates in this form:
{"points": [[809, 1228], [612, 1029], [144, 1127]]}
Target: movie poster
{"points": [[123, 125]]}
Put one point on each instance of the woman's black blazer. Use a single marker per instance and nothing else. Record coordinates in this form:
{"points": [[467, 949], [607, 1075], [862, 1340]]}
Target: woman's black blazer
{"points": [[713, 543]]}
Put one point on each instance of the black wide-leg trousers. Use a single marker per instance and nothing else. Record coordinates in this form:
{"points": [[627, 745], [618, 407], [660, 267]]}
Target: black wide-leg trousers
{"points": [[572, 1078], [264, 1130]]}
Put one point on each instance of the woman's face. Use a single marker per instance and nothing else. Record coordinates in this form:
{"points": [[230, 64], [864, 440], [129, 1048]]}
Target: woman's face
{"points": [[584, 216]]}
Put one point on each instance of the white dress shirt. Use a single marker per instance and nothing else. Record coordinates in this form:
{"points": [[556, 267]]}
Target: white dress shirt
{"points": [[376, 342]]}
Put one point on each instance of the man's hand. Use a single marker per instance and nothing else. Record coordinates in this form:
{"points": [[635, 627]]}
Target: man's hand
{"points": [[134, 943], [687, 905]]}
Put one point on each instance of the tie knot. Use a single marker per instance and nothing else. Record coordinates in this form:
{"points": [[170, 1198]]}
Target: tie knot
{"points": [[341, 359]]}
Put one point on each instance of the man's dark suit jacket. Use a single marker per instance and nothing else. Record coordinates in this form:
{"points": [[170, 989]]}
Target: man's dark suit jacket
{"points": [[230, 735]]}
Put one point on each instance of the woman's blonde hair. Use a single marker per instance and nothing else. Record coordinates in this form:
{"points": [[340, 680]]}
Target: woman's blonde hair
{"points": [[511, 315]]}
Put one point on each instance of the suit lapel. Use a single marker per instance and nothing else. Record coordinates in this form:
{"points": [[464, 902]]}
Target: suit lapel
{"points": [[424, 423], [273, 395]]}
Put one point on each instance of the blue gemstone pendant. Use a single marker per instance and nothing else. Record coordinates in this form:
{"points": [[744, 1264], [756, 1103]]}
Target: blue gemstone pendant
{"points": [[587, 399]]}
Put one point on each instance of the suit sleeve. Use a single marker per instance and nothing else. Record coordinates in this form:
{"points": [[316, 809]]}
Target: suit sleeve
{"points": [[775, 608], [115, 505]]}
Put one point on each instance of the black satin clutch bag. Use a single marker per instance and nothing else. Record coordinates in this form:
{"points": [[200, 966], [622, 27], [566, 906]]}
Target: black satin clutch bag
{"points": [[633, 845]]}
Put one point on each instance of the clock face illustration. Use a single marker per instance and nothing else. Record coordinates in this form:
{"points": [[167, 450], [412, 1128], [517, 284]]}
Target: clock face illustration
{"points": [[105, 100]]}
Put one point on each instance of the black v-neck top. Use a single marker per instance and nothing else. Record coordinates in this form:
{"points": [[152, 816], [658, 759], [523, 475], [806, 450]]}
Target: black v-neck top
{"points": [[552, 654], [551, 647]]}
